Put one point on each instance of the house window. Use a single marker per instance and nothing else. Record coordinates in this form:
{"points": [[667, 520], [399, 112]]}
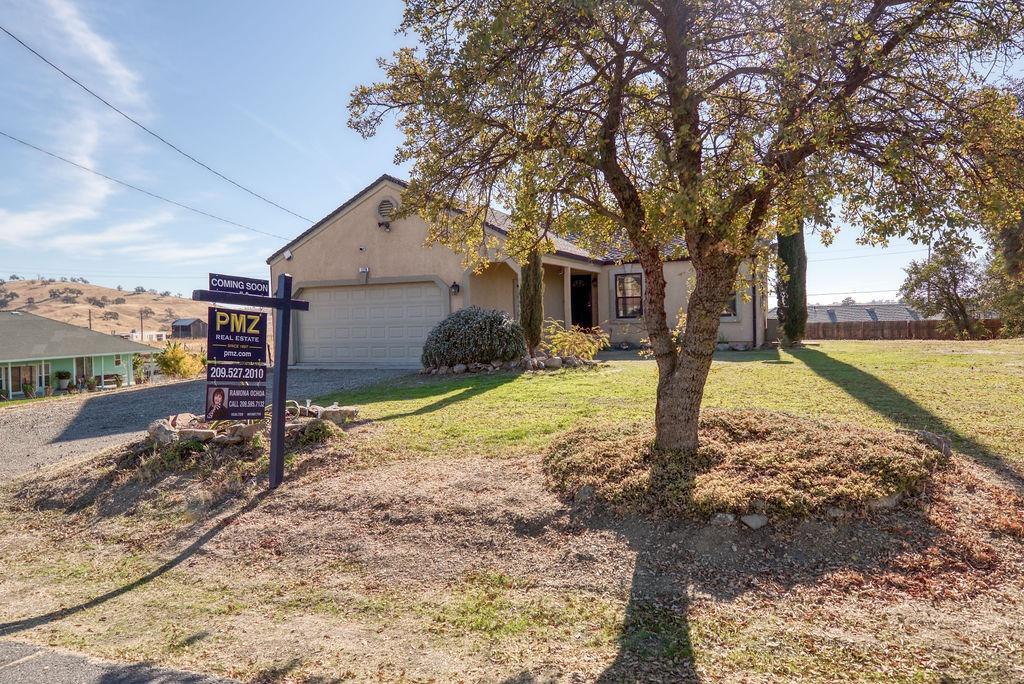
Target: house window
{"points": [[117, 359], [44, 375], [732, 307], [629, 295]]}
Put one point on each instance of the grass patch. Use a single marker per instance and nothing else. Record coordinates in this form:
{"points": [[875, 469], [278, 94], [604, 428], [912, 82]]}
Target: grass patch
{"points": [[748, 461]]}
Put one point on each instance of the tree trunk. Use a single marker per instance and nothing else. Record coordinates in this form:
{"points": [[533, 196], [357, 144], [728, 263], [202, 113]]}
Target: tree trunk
{"points": [[683, 374]]}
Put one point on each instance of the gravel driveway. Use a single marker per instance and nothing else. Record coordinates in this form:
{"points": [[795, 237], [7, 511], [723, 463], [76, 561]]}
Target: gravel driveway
{"points": [[39, 433]]}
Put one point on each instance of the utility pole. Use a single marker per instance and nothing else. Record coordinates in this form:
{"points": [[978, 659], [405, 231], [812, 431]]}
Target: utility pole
{"points": [[90, 319], [142, 327]]}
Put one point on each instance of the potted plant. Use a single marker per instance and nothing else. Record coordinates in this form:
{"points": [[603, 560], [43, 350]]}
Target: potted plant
{"points": [[28, 389], [723, 344], [48, 388], [63, 378], [90, 384], [3, 395], [118, 381]]}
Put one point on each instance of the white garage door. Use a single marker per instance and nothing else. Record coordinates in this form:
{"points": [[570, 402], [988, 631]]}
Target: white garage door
{"points": [[383, 325]]}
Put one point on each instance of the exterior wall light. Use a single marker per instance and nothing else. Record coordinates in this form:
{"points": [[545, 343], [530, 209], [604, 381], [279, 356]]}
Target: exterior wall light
{"points": [[454, 288]]}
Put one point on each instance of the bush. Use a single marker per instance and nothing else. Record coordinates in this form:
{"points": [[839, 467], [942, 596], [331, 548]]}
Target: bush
{"points": [[319, 432], [63, 375], [474, 335], [573, 341], [176, 361]]}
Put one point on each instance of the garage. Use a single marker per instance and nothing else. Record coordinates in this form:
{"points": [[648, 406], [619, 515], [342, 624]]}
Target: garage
{"points": [[379, 325]]}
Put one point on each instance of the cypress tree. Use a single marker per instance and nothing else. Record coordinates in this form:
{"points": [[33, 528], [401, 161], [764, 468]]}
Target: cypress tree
{"points": [[531, 300], [792, 291]]}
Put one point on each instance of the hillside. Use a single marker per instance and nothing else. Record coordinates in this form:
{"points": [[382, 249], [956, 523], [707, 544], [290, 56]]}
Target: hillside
{"points": [[73, 307]]}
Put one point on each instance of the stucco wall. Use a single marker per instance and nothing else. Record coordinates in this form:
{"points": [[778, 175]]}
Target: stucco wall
{"points": [[494, 288], [554, 297], [679, 278], [352, 240]]}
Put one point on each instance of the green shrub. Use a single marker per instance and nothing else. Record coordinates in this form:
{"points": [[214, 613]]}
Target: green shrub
{"points": [[176, 361], [573, 341], [63, 375], [474, 335], [318, 432]]}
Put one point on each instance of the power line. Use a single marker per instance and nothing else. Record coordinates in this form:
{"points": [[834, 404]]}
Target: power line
{"points": [[152, 132], [138, 189], [825, 294], [866, 256]]}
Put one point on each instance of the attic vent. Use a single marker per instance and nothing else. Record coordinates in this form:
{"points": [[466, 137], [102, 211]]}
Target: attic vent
{"points": [[386, 209]]}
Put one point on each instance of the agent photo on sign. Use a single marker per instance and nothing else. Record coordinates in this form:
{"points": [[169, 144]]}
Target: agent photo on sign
{"points": [[216, 403]]}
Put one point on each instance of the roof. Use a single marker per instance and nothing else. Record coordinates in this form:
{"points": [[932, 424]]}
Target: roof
{"points": [[185, 321], [25, 337], [858, 313], [497, 220]]}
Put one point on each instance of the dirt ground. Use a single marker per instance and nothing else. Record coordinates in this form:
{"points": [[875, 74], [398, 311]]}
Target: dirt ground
{"points": [[473, 571]]}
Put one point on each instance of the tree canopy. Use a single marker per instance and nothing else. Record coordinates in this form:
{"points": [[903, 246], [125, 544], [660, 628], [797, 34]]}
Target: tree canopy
{"points": [[696, 129]]}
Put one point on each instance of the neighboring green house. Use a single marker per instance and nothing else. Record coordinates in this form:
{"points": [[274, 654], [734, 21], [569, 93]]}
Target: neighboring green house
{"points": [[33, 349]]}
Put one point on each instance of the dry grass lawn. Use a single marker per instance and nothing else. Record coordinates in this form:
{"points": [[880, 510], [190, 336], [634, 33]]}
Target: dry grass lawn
{"points": [[427, 545]]}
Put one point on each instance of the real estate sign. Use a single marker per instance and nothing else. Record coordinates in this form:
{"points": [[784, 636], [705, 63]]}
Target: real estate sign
{"points": [[235, 391], [239, 285], [236, 335]]}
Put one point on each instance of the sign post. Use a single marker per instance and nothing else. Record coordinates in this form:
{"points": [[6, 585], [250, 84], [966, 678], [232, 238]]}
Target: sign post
{"points": [[239, 336]]}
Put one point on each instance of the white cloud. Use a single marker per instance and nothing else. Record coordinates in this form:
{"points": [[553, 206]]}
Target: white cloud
{"points": [[97, 49], [82, 202], [177, 251], [99, 242]]}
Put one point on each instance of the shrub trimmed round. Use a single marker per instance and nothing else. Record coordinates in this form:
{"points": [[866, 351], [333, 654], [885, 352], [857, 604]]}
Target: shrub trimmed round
{"points": [[474, 335]]}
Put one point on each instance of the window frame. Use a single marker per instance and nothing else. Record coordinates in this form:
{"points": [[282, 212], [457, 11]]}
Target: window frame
{"points": [[735, 314], [621, 299]]}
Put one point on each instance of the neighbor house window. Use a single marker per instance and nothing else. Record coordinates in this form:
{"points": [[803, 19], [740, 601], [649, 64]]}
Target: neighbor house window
{"points": [[629, 295], [117, 359], [731, 309]]}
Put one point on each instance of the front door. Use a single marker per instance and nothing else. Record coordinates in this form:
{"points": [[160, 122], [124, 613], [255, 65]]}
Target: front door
{"points": [[20, 375], [582, 300]]}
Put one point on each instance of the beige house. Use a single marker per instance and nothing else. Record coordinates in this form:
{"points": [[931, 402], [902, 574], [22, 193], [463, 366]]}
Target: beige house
{"points": [[376, 289]]}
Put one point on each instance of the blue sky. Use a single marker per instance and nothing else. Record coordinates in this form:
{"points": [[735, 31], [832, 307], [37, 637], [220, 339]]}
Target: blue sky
{"points": [[256, 89]]}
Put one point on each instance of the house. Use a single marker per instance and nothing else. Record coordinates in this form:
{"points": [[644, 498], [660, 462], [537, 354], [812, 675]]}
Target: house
{"points": [[146, 336], [189, 327], [376, 289], [33, 348]]}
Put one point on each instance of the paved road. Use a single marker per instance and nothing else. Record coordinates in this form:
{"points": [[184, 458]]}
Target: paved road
{"points": [[39, 433], [26, 664]]}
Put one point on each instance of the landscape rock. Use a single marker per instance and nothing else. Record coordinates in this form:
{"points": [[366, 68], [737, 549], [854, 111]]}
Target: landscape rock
{"points": [[835, 512], [459, 368], [884, 503], [339, 415], [182, 420], [161, 432], [755, 521], [723, 519], [197, 433], [540, 364], [224, 440], [247, 432], [442, 370], [553, 362]]}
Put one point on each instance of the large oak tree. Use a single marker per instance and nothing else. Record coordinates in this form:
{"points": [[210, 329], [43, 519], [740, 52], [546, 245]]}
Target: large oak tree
{"points": [[673, 128]]}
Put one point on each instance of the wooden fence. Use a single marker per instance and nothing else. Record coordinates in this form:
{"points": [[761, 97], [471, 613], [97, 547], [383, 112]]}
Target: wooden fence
{"points": [[889, 330]]}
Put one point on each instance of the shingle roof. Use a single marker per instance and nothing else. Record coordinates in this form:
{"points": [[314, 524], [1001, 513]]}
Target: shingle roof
{"points": [[858, 313], [496, 220], [25, 337]]}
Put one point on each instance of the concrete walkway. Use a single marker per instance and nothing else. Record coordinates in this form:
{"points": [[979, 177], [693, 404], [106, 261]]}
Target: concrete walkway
{"points": [[27, 664]]}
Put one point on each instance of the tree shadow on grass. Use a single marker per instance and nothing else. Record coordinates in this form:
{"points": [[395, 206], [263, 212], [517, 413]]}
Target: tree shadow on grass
{"points": [[471, 386], [885, 400], [15, 626]]}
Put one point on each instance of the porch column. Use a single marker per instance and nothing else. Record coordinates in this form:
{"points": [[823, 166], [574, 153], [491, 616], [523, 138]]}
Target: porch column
{"points": [[129, 372], [567, 295], [103, 380]]}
